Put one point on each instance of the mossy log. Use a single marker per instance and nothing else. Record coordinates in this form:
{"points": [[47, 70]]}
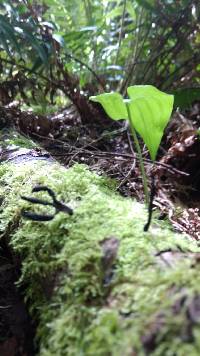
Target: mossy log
{"points": [[95, 282]]}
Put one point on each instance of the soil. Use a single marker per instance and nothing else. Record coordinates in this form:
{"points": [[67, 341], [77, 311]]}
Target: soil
{"points": [[108, 149]]}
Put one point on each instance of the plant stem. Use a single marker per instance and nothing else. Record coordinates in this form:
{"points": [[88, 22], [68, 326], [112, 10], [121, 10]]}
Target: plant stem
{"points": [[141, 162]]}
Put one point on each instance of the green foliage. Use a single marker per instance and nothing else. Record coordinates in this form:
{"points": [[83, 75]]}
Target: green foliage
{"points": [[17, 35], [105, 44], [149, 108], [150, 112], [7, 35], [113, 104], [184, 98]]}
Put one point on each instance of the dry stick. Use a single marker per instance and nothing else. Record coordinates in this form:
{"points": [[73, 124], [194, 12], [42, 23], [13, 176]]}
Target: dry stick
{"points": [[133, 60], [160, 49], [160, 53], [132, 69], [56, 83], [104, 153], [20, 66], [95, 141], [168, 58], [186, 64], [88, 12], [130, 144], [124, 180], [175, 50], [120, 34], [126, 155], [89, 69], [67, 88], [69, 146], [150, 62], [127, 175]]}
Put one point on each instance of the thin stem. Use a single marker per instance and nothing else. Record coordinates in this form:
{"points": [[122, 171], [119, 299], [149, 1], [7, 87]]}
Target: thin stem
{"points": [[121, 32], [141, 162], [134, 56]]}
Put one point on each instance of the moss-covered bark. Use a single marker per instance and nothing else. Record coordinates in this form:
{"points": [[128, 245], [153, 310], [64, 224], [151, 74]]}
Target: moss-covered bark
{"points": [[95, 282]]}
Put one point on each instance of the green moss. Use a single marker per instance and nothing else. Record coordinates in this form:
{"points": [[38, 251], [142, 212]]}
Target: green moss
{"points": [[11, 140], [62, 266]]}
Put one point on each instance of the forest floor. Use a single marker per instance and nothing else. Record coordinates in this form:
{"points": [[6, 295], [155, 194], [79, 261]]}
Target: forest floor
{"points": [[108, 150]]}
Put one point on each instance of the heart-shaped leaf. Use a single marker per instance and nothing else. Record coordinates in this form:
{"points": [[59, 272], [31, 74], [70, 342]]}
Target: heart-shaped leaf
{"points": [[146, 91], [150, 110], [113, 105]]}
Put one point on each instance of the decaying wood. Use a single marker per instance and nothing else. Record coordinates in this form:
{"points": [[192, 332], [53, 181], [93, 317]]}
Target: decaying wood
{"points": [[118, 275]]}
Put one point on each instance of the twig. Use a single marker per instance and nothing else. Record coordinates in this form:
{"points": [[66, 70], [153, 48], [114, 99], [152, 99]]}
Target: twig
{"points": [[134, 56], [130, 144], [89, 68], [126, 155], [127, 175], [104, 153], [121, 30]]}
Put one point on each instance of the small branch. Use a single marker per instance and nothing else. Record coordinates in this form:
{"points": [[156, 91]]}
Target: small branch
{"points": [[121, 31], [89, 68]]}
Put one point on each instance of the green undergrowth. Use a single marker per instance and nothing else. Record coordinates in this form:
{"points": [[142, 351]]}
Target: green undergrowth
{"points": [[84, 304], [11, 139]]}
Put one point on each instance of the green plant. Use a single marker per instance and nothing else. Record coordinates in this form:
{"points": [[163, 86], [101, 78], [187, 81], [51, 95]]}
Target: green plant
{"points": [[77, 48], [148, 111]]}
